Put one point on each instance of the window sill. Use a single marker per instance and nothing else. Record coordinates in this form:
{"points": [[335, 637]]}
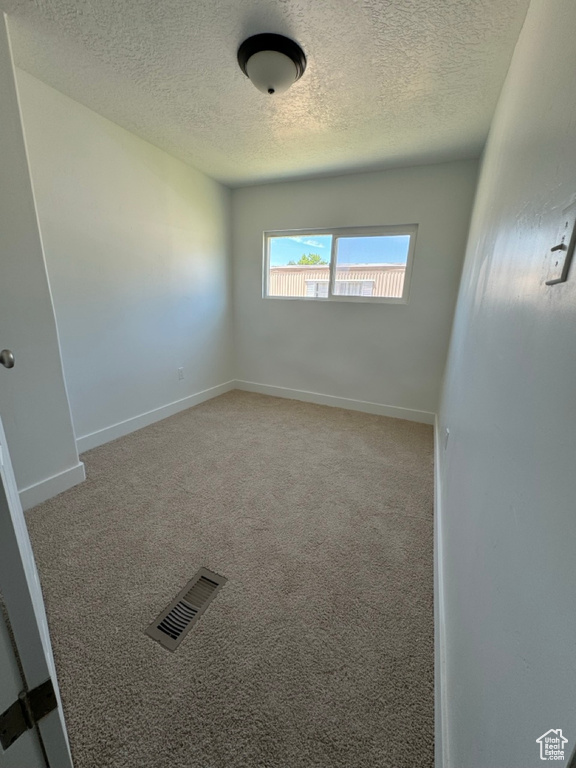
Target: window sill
{"points": [[340, 299]]}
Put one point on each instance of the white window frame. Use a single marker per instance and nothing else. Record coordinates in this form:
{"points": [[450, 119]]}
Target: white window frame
{"points": [[338, 233]]}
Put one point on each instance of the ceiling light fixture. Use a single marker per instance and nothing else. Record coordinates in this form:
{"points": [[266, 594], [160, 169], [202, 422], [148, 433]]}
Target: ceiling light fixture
{"points": [[272, 62]]}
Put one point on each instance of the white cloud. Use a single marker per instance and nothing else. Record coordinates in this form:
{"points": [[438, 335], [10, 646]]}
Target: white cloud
{"points": [[305, 241]]}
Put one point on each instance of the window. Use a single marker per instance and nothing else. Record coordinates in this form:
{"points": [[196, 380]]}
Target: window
{"points": [[354, 287], [316, 289], [367, 264]]}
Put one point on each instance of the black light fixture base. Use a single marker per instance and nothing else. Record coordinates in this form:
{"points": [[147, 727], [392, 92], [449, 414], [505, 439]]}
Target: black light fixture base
{"points": [[269, 41]]}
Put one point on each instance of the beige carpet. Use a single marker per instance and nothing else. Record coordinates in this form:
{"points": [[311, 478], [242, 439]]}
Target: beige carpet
{"points": [[318, 652]]}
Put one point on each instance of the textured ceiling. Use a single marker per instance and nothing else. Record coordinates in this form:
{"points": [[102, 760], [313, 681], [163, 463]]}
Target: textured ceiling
{"points": [[388, 82]]}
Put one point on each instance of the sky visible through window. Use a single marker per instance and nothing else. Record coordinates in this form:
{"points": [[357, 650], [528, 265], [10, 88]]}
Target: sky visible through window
{"points": [[386, 249]]}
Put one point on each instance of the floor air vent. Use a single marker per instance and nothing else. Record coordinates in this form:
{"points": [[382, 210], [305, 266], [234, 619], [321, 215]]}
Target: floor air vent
{"points": [[175, 621]]}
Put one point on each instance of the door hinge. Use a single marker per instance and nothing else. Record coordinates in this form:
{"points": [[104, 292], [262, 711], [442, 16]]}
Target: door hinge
{"points": [[29, 707]]}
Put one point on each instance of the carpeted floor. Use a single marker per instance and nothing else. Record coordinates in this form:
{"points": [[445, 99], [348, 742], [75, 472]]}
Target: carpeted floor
{"points": [[318, 652]]}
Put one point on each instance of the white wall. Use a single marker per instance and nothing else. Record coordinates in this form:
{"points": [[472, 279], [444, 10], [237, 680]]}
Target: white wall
{"points": [[508, 475], [33, 402], [389, 354], [137, 248]]}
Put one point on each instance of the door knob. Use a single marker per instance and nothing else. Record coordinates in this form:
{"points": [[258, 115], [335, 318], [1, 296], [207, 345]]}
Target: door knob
{"points": [[7, 358]]}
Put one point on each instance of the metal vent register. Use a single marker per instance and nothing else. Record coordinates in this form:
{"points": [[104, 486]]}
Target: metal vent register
{"points": [[175, 621]]}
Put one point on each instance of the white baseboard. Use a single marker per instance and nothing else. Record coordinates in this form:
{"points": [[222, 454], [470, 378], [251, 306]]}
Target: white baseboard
{"points": [[424, 417], [52, 486], [122, 428], [441, 758]]}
